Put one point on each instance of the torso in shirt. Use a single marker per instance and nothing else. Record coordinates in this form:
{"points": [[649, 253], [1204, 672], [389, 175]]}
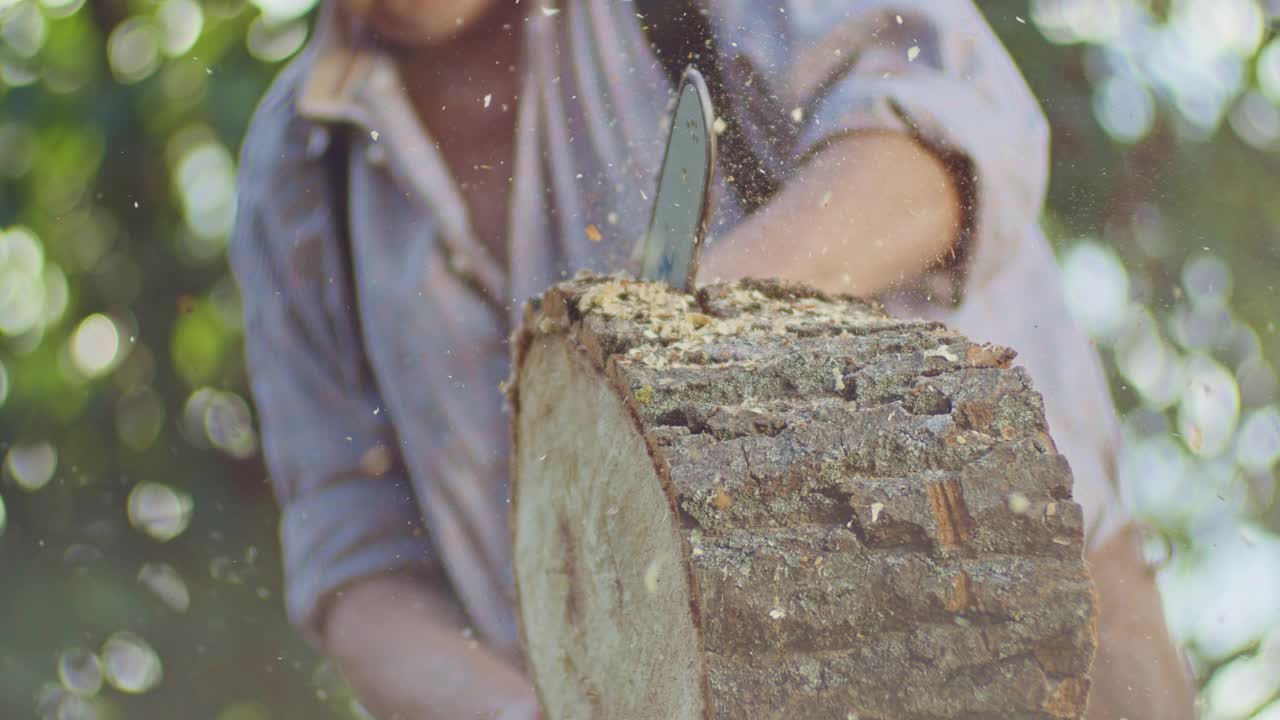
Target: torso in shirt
{"points": [[587, 147], [465, 95]]}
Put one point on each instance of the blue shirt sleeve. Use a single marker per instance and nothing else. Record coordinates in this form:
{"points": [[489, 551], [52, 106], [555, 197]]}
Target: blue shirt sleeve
{"points": [[806, 74], [348, 508]]}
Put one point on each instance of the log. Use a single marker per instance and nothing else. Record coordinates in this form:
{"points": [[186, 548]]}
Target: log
{"points": [[760, 501]]}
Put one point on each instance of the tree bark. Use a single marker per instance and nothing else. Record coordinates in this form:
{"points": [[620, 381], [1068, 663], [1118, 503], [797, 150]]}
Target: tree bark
{"points": [[763, 502]]}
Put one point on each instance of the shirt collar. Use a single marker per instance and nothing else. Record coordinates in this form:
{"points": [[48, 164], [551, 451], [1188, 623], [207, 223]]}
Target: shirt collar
{"points": [[338, 69]]}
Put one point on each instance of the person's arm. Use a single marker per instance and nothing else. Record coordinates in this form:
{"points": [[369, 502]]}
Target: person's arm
{"points": [[1137, 673], [871, 210], [893, 210], [883, 88], [401, 645], [362, 581]]}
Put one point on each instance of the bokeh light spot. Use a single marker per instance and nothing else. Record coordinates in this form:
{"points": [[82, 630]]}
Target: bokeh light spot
{"points": [[1097, 288], [205, 180], [1258, 443], [31, 466], [182, 21], [1256, 120], [1224, 599], [1231, 26], [1246, 684], [57, 294], [1201, 325], [24, 29], [1270, 712], [281, 10], [4, 516], [273, 42], [48, 696], [198, 345], [229, 426], [1210, 407], [80, 672], [214, 418], [1073, 21], [1125, 109], [69, 706], [134, 49], [22, 293], [131, 665], [1268, 70], [193, 412], [95, 345], [166, 584], [1257, 379], [62, 8], [17, 75], [1207, 278], [159, 510], [1157, 480], [1147, 362], [21, 251]]}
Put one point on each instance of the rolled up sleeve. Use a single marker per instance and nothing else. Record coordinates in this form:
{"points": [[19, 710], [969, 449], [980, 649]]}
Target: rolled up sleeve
{"points": [[813, 71], [348, 509]]}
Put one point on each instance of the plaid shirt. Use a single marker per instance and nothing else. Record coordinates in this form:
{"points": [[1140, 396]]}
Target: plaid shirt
{"points": [[376, 349]]}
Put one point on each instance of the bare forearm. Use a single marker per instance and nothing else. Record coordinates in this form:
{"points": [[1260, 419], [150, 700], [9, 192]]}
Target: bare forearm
{"points": [[1137, 673], [400, 644], [870, 211]]}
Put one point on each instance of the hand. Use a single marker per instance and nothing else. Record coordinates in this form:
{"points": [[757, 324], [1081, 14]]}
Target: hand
{"points": [[399, 642]]}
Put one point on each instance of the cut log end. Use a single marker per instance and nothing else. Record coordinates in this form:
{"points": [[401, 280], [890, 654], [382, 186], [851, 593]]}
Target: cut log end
{"points": [[763, 502], [603, 582]]}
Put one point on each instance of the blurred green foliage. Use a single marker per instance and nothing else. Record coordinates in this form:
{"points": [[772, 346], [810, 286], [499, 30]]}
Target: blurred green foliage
{"points": [[138, 565]]}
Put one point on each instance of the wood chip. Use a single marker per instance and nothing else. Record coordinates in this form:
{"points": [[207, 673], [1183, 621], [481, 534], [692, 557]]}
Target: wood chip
{"points": [[1018, 503], [721, 500]]}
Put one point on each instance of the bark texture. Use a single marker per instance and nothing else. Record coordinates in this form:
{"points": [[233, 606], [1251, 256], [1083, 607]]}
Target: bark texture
{"points": [[763, 502]]}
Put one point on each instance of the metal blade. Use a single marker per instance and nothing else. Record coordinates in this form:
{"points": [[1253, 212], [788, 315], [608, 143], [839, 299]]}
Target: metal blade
{"points": [[682, 206]]}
